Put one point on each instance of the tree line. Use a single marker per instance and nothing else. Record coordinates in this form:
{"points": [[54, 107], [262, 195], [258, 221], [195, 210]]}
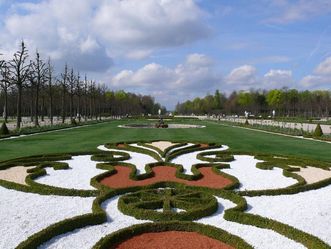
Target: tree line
{"points": [[286, 102], [29, 87]]}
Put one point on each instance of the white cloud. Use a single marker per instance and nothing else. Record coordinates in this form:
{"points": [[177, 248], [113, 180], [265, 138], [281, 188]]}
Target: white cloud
{"points": [[150, 23], [89, 45], [139, 54], [299, 10], [324, 68], [195, 76], [321, 77], [110, 28], [199, 60], [244, 76], [278, 78], [312, 81]]}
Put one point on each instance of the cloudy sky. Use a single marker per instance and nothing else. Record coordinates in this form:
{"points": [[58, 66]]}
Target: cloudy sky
{"points": [[178, 49]]}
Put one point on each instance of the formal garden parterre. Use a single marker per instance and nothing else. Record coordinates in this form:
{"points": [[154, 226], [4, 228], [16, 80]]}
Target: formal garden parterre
{"points": [[165, 192]]}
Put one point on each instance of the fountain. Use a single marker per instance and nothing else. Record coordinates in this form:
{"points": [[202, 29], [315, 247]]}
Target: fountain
{"points": [[160, 123]]}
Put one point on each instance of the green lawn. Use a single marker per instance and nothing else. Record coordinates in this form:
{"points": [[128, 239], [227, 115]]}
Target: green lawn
{"points": [[89, 137]]}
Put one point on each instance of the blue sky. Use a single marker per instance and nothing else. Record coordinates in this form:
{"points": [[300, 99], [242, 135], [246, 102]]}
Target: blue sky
{"points": [[178, 49]]}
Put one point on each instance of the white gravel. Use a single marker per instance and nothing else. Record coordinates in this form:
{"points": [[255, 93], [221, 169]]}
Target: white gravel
{"points": [[187, 160], [308, 211], [174, 149], [23, 214], [82, 169], [138, 159], [86, 237], [252, 178], [257, 237], [146, 148]]}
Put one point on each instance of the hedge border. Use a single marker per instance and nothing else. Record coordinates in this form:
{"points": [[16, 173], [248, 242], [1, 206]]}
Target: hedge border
{"points": [[207, 206], [116, 238], [95, 181], [235, 214]]}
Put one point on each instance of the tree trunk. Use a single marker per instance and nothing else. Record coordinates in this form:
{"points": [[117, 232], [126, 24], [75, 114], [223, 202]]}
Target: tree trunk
{"points": [[71, 106], [19, 107], [78, 109], [63, 106], [51, 106], [42, 108], [36, 106], [5, 108]]}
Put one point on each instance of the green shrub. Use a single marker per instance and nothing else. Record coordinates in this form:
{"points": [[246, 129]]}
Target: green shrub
{"points": [[74, 122], [246, 122], [318, 131], [4, 129], [112, 240], [143, 204]]}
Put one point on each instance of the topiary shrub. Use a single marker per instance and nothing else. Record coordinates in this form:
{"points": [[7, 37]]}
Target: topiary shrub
{"points": [[318, 131], [246, 122], [74, 122], [4, 129]]}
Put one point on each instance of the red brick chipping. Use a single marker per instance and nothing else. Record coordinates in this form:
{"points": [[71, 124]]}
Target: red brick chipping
{"points": [[164, 174], [172, 240]]}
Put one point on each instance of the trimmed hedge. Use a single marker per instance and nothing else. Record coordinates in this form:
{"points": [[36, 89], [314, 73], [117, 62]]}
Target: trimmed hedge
{"points": [[220, 156], [318, 131], [127, 147], [110, 156], [193, 148], [47, 128], [40, 163], [4, 129], [112, 240], [99, 216], [142, 204]]}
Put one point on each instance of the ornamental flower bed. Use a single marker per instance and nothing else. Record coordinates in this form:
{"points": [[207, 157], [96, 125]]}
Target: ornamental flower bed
{"points": [[161, 194]]}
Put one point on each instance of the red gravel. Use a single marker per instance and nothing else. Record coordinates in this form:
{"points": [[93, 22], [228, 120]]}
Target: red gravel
{"points": [[164, 174], [172, 240]]}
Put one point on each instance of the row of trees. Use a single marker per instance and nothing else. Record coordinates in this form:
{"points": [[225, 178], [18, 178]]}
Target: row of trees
{"points": [[287, 102], [30, 88]]}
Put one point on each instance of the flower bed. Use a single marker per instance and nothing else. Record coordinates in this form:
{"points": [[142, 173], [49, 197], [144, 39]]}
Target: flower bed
{"points": [[140, 188]]}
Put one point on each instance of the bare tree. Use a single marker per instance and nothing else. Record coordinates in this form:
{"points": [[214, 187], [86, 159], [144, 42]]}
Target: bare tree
{"points": [[5, 85], [63, 83], [19, 71], [79, 95], [37, 77], [50, 71], [85, 98], [71, 82], [92, 98]]}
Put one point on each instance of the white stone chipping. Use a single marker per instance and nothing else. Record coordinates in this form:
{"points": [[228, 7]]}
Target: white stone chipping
{"points": [[308, 211], [24, 214], [257, 237], [138, 159], [189, 159], [146, 148], [86, 237], [162, 145], [252, 178], [82, 169]]}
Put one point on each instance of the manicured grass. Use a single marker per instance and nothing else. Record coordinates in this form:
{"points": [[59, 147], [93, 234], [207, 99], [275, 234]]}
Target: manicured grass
{"points": [[87, 138]]}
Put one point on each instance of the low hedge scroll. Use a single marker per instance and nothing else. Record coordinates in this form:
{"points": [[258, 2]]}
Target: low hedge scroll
{"points": [[160, 204]]}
